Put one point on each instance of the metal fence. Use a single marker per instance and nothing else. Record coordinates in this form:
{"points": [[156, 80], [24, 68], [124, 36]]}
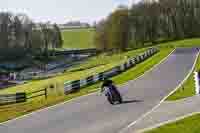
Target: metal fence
{"points": [[12, 98], [21, 97]]}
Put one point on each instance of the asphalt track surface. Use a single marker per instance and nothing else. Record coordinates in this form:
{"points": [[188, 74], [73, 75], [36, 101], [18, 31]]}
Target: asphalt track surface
{"points": [[93, 114]]}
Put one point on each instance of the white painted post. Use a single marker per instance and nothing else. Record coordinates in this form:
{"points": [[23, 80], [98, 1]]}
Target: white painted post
{"points": [[196, 78], [133, 61], [142, 57], [122, 68], [67, 87], [83, 82], [96, 78], [128, 63], [14, 76]]}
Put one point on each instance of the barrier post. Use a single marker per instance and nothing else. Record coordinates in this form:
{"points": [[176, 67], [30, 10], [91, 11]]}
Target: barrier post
{"points": [[20, 97], [196, 78], [45, 92]]}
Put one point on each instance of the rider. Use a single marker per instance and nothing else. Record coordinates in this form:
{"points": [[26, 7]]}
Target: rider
{"points": [[109, 87]]}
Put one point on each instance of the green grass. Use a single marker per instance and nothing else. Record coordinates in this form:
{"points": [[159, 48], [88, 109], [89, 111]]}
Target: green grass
{"points": [[78, 38], [104, 59], [187, 125], [56, 95], [183, 43], [188, 87]]}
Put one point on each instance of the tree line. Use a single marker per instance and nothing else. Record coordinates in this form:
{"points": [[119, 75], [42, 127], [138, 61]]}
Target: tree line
{"points": [[147, 23], [21, 37]]}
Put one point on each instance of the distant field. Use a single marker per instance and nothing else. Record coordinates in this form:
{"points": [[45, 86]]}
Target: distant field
{"points": [[78, 38]]}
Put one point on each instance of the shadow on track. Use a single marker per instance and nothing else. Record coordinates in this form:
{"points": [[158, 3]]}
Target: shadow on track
{"points": [[131, 101]]}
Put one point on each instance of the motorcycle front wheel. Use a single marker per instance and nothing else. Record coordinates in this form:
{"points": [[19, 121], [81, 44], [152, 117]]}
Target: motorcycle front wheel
{"points": [[110, 100]]}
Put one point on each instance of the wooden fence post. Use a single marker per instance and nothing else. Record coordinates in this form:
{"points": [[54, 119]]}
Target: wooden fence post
{"points": [[21, 97], [45, 91]]}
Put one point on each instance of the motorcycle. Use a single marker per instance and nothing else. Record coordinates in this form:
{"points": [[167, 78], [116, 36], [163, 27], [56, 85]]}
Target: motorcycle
{"points": [[113, 97], [111, 92]]}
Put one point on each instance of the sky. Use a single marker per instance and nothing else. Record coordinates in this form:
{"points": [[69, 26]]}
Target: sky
{"points": [[62, 11]]}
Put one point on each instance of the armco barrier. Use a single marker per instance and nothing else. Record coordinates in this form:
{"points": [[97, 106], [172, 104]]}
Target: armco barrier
{"points": [[80, 51], [12, 98], [74, 86], [21, 97]]}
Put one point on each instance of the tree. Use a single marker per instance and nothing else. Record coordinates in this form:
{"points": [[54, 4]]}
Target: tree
{"points": [[113, 33], [5, 30], [164, 20], [101, 36], [119, 29], [47, 35], [57, 41], [20, 37], [17, 30]]}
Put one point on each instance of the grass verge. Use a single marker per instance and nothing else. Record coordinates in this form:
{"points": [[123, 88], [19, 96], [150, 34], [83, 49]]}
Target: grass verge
{"points": [[187, 125], [56, 95], [103, 59]]}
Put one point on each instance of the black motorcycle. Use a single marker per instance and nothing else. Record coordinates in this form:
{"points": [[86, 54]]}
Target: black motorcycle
{"points": [[113, 98], [111, 92]]}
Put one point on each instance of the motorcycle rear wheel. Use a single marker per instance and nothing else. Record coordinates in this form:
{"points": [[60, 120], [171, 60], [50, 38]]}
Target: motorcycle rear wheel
{"points": [[110, 100]]}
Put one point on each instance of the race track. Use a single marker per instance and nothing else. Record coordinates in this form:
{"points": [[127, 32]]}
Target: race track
{"points": [[93, 114]]}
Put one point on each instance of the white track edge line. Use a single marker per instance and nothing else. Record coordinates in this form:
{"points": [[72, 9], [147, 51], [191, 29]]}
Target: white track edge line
{"points": [[155, 107], [62, 103]]}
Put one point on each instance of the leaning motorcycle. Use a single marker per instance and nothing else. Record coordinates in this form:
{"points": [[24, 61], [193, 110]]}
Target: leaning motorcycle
{"points": [[113, 98]]}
